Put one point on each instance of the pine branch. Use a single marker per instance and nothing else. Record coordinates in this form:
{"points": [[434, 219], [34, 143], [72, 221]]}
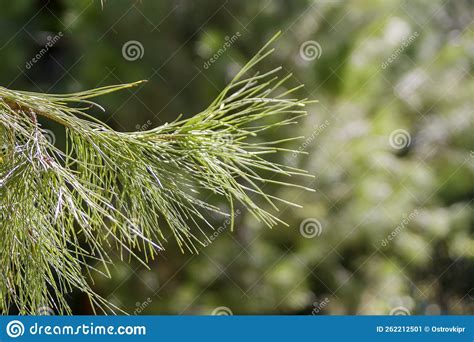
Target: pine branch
{"points": [[62, 210]]}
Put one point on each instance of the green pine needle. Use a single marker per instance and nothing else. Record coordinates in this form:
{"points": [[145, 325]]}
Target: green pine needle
{"points": [[60, 210]]}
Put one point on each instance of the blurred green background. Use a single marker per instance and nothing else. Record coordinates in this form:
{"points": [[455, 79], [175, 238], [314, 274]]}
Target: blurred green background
{"points": [[390, 228]]}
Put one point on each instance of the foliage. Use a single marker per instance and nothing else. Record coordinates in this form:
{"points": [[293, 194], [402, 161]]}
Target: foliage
{"points": [[59, 210], [365, 187]]}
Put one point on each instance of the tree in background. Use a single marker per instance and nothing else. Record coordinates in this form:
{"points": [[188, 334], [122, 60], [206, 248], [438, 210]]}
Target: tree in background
{"points": [[418, 193]]}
